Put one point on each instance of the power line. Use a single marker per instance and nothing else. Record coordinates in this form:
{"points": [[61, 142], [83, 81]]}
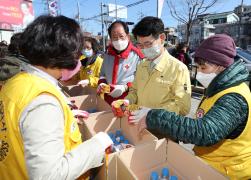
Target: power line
{"points": [[106, 13]]}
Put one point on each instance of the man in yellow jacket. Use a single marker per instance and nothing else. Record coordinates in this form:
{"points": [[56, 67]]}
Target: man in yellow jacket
{"points": [[161, 81]]}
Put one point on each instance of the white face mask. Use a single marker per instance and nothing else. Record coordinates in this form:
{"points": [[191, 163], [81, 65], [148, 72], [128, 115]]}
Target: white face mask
{"points": [[120, 45], [152, 52], [205, 79]]}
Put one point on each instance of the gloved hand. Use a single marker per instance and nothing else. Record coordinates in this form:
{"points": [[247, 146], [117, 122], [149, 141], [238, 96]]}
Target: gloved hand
{"points": [[104, 140], [84, 82], [118, 90], [141, 125], [80, 115], [119, 107], [138, 115], [103, 88]]}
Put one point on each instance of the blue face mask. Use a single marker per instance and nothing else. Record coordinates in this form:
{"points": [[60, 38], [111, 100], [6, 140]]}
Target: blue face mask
{"points": [[87, 53]]}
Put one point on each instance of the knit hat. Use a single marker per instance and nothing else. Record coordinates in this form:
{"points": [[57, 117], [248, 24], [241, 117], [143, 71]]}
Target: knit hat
{"points": [[218, 49]]}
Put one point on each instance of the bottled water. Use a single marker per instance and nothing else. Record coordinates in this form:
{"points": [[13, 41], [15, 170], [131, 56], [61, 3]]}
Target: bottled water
{"points": [[173, 178], [119, 142], [164, 174], [154, 176]]}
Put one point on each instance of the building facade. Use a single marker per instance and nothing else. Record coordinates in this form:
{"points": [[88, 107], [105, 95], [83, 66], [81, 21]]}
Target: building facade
{"points": [[206, 25]]}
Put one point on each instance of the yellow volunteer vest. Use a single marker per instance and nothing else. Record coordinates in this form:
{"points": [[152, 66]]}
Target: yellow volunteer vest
{"points": [[231, 157], [91, 72], [15, 95]]}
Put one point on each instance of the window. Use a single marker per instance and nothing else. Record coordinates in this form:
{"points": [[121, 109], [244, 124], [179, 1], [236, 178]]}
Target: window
{"points": [[222, 20], [215, 21]]}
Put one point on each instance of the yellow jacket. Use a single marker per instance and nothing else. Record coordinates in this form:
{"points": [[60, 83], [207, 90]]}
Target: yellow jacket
{"points": [[14, 97], [91, 72], [167, 86], [232, 157]]}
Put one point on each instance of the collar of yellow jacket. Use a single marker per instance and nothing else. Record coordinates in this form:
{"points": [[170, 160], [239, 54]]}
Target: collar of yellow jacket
{"points": [[164, 60], [82, 57]]}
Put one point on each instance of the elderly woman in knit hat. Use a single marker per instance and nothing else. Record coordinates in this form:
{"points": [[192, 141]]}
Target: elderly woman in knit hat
{"points": [[221, 130]]}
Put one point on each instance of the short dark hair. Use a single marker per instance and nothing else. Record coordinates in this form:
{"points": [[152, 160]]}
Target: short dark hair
{"points": [[52, 42], [13, 47], [181, 45], [94, 43], [200, 61], [125, 26], [3, 49], [148, 26]]}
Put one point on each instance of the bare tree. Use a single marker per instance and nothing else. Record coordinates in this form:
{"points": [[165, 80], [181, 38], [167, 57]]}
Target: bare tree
{"points": [[186, 11], [140, 15]]}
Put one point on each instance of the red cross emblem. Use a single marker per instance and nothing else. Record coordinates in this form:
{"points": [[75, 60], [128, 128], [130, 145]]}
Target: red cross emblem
{"points": [[127, 66]]}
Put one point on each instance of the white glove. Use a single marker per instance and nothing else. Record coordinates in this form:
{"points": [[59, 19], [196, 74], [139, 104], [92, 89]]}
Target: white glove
{"points": [[138, 115], [80, 115], [118, 90], [84, 82], [103, 139], [101, 88]]}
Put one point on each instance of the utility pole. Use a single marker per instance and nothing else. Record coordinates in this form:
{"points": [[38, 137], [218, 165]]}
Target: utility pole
{"points": [[78, 16], [239, 29], [116, 10], [157, 8], [102, 21]]}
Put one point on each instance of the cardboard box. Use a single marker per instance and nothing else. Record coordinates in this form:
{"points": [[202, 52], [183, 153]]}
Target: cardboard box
{"points": [[139, 162], [78, 90], [90, 102], [106, 122]]}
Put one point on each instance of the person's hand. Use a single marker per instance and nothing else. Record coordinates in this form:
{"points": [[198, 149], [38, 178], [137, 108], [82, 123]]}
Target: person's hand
{"points": [[80, 115], [84, 82], [118, 90], [103, 88], [141, 125], [119, 107], [104, 140], [138, 115]]}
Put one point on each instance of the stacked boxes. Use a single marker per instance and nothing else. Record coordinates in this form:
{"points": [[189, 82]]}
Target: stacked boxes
{"points": [[148, 153]]}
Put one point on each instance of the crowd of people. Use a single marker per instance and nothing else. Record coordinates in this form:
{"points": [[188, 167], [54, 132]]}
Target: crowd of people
{"points": [[40, 138]]}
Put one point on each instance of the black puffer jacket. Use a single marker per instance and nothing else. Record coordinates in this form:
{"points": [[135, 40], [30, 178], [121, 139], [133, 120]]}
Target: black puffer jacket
{"points": [[226, 119]]}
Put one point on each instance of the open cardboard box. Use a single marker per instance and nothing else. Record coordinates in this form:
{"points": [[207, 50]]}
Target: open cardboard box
{"points": [[91, 102], [139, 162], [78, 90], [106, 122]]}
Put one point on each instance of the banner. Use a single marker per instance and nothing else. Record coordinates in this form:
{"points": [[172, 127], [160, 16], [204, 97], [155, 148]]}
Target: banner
{"points": [[15, 14], [53, 7], [160, 4]]}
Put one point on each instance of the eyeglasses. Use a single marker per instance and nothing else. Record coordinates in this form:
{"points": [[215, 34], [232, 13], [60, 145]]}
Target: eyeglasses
{"points": [[147, 44]]}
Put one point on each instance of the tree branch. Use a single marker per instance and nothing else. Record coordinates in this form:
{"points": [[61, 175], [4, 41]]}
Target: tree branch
{"points": [[189, 11], [174, 12]]}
